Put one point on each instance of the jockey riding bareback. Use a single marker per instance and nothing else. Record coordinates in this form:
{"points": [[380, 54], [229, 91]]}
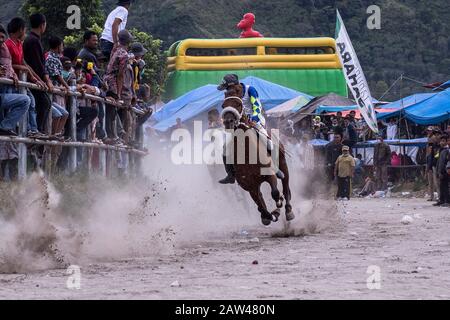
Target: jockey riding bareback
{"points": [[254, 111]]}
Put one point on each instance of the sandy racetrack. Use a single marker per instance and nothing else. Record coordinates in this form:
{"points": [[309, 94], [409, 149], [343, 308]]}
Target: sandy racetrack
{"points": [[414, 263]]}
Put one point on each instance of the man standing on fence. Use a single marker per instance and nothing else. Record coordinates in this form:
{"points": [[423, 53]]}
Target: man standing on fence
{"points": [[381, 160], [444, 198], [34, 57], [344, 171], [116, 22], [120, 84]]}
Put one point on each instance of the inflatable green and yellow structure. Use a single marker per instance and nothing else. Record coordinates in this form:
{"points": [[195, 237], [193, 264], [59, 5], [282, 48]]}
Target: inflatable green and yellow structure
{"points": [[309, 65]]}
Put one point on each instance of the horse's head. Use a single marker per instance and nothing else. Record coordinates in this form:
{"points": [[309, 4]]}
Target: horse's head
{"points": [[233, 108]]}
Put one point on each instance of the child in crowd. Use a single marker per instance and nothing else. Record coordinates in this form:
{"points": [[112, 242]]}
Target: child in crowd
{"points": [[55, 69]]}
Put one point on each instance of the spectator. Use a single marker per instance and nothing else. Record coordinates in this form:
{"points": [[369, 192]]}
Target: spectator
{"points": [[444, 198], [335, 127], [350, 135], [116, 22], [54, 69], [396, 160], [68, 72], [119, 79], [430, 169], [391, 129], [85, 113], [14, 105], [17, 30], [34, 57], [89, 51], [340, 119], [352, 117], [333, 150], [359, 168], [369, 188], [344, 170], [381, 160], [72, 54]]}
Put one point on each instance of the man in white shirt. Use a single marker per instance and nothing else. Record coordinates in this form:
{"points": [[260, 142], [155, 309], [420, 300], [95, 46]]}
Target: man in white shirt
{"points": [[391, 131], [116, 22]]}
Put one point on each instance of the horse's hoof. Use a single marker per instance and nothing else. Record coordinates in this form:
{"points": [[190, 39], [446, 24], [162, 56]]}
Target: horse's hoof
{"points": [[290, 216], [266, 222], [276, 215]]}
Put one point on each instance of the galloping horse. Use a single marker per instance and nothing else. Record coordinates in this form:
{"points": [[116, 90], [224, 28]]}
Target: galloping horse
{"points": [[248, 174]]}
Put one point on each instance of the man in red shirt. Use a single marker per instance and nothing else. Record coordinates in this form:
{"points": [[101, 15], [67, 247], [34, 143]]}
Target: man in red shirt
{"points": [[16, 29]]}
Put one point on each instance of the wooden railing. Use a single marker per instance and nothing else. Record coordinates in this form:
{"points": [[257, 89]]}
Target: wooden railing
{"points": [[107, 154]]}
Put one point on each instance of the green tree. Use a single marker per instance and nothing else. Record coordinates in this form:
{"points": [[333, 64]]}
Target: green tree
{"points": [[155, 60], [57, 16]]}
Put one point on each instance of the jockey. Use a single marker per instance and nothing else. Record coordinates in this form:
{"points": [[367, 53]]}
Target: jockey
{"points": [[254, 110], [252, 105]]}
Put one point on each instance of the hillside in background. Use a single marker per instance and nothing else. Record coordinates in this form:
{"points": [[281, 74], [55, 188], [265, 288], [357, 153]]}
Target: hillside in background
{"points": [[413, 39]]}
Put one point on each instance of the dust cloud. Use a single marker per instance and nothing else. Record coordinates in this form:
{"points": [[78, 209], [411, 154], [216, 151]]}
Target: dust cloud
{"points": [[168, 207]]}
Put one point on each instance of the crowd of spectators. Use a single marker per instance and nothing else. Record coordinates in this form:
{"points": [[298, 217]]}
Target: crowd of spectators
{"points": [[346, 166], [113, 71]]}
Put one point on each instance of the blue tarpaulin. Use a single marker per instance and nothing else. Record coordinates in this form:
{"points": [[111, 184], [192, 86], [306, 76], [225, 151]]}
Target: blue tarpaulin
{"points": [[421, 142], [406, 102], [432, 110], [206, 98]]}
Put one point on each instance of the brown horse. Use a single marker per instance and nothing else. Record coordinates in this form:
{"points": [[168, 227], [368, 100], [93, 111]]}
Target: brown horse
{"points": [[248, 173]]}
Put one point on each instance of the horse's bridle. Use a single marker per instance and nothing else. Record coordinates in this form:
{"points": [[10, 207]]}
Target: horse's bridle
{"points": [[234, 110]]}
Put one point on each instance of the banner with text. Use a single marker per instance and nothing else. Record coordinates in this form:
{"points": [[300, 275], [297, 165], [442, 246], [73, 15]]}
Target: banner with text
{"points": [[354, 75]]}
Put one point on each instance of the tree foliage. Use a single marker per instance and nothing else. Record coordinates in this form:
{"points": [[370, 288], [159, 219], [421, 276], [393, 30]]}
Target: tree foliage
{"points": [[92, 18]]}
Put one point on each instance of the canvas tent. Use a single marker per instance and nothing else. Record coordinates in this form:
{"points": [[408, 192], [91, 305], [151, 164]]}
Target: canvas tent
{"points": [[433, 109], [290, 106], [201, 100], [330, 99]]}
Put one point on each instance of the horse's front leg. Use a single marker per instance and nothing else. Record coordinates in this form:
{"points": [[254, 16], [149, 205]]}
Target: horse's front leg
{"points": [[266, 216]]}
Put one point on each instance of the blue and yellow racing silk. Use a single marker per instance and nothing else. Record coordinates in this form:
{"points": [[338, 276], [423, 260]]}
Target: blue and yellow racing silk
{"points": [[252, 105]]}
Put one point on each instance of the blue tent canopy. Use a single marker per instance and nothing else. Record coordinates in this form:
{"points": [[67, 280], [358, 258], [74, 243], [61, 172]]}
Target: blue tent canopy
{"points": [[433, 110], [327, 109], [421, 142], [398, 105], [206, 98]]}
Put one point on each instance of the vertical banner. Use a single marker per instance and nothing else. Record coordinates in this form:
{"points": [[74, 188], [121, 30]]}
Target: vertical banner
{"points": [[354, 75]]}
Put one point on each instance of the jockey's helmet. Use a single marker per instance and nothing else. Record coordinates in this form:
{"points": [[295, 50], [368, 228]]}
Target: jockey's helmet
{"points": [[228, 80]]}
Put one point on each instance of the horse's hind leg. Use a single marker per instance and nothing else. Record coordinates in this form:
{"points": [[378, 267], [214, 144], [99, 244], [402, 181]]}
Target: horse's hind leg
{"points": [[266, 217], [276, 195], [286, 189]]}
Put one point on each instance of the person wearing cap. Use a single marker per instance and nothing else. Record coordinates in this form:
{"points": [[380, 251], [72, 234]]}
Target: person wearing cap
{"points": [[119, 80], [116, 22], [344, 170], [138, 64], [381, 160]]}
